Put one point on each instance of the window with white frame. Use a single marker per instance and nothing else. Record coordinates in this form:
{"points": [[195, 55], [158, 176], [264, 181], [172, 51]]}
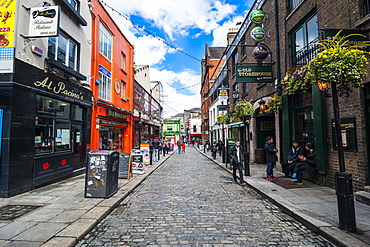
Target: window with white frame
{"points": [[105, 43], [63, 49], [123, 90], [105, 85]]}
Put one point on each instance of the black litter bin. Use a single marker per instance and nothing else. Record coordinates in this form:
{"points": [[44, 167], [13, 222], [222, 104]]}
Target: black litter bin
{"points": [[102, 173]]}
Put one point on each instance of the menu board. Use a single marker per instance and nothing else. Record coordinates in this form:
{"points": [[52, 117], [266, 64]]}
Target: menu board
{"points": [[124, 165]]}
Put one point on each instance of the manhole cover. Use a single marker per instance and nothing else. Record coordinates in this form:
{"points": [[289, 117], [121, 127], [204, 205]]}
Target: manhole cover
{"points": [[147, 196], [11, 212]]}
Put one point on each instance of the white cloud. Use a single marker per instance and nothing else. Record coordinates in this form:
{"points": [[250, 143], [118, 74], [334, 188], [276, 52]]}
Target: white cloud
{"points": [[177, 17], [220, 33], [176, 99]]}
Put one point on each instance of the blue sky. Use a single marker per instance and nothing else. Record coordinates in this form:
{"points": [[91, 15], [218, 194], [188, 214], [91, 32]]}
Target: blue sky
{"points": [[187, 25]]}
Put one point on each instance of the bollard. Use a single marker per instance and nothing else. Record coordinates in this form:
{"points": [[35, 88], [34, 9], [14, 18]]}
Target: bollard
{"points": [[247, 171], [159, 152], [151, 157], [164, 151]]}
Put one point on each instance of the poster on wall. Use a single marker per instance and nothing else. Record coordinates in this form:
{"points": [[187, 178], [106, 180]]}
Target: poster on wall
{"points": [[44, 21], [7, 26]]}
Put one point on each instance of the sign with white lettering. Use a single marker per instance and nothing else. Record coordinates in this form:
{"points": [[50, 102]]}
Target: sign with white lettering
{"points": [[44, 21], [253, 74]]}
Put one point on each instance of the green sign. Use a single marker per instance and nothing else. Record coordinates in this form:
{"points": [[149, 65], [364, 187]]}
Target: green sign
{"points": [[353, 40], [348, 132], [258, 33], [253, 74], [257, 16]]}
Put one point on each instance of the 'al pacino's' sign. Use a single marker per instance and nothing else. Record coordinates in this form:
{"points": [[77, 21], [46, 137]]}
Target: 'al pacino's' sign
{"points": [[58, 88]]}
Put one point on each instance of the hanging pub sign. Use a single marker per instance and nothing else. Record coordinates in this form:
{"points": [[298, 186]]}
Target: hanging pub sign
{"points": [[252, 74], [258, 34], [44, 21], [261, 52], [257, 16], [352, 40]]}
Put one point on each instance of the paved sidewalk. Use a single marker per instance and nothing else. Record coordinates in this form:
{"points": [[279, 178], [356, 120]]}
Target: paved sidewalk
{"points": [[315, 206], [64, 215]]}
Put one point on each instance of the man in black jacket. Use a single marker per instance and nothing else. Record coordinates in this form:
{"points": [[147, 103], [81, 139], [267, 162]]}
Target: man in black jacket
{"points": [[294, 152], [307, 163], [271, 157], [236, 154]]}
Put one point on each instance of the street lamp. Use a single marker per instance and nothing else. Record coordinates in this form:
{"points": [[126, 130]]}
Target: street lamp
{"points": [[343, 180], [262, 104]]}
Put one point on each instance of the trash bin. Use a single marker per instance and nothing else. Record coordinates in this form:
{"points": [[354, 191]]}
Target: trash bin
{"points": [[102, 173]]}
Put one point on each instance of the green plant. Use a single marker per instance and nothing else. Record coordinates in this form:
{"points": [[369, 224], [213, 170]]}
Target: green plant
{"points": [[296, 80], [242, 108], [222, 119], [275, 103], [341, 62]]}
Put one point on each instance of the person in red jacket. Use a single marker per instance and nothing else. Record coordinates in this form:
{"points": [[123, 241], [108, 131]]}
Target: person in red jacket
{"points": [[183, 147]]}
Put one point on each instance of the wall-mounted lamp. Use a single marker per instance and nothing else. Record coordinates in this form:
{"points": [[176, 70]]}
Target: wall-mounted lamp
{"points": [[46, 4], [54, 71], [323, 85], [262, 104]]}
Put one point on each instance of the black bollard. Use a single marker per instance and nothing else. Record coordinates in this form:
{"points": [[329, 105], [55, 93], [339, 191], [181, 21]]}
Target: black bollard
{"points": [[159, 152], [151, 157], [247, 171]]}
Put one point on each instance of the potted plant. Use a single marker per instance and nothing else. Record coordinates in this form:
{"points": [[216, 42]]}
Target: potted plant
{"points": [[242, 109], [275, 103], [222, 119]]}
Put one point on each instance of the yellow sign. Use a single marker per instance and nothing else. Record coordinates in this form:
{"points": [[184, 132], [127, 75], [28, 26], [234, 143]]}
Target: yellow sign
{"points": [[58, 88], [7, 22]]}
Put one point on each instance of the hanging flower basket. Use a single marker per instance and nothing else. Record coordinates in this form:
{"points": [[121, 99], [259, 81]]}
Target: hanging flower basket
{"points": [[295, 80], [275, 103], [341, 62], [222, 119], [242, 108]]}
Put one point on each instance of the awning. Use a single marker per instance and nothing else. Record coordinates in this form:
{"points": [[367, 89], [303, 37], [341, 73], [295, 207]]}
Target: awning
{"points": [[236, 125]]}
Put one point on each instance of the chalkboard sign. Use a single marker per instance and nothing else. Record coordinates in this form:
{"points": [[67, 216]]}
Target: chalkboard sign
{"points": [[124, 165]]}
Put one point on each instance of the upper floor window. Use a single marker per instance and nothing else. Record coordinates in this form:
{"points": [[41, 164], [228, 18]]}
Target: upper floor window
{"points": [[234, 61], [105, 85], [303, 39], [63, 49], [293, 4], [105, 43], [74, 4], [366, 7], [123, 90], [123, 61]]}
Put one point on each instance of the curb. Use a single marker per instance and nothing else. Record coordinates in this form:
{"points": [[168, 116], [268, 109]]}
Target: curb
{"points": [[100, 211], [327, 230]]}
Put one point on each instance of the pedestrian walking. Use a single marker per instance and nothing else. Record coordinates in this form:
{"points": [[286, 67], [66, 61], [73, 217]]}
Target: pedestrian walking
{"points": [[179, 147], [183, 147], [156, 147], [271, 157], [168, 146], [293, 158], [307, 163], [220, 146], [236, 155]]}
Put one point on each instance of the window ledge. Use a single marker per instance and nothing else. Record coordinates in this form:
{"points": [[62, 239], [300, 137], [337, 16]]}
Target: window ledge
{"points": [[61, 66], [364, 20], [73, 12]]}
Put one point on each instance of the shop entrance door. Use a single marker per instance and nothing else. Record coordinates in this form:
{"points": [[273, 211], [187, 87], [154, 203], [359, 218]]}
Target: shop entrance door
{"points": [[304, 125], [77, 147]]}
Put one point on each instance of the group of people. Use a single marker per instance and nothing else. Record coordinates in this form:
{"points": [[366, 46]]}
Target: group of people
{"points": [[181, 147], [298, 160], [156, 146]]}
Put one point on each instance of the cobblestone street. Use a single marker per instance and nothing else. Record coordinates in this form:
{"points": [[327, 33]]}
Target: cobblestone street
{"points": [[190, 201]]}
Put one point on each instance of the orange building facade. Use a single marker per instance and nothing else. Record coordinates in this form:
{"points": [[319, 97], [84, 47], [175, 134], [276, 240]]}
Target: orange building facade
{"points": [[112, 84]]}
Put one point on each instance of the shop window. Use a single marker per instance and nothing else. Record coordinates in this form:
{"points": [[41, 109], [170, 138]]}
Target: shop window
{"points": [[105, 43], [77, 112], [64, 50], [304, 41], [105, 87], [111, 138], [62, 135], [43, 135], [52, 107]]}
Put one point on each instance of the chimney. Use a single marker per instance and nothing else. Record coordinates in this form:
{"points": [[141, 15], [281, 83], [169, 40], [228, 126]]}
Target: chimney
{"points": [[231, 34]]}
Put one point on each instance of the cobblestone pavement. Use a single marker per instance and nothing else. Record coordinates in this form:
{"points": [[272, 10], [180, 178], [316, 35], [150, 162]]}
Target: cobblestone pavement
{"points": [[190, 201]]}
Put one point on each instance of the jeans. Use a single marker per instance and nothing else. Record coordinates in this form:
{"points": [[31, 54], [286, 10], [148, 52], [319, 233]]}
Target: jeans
{"points": [[155, 154], [269, 169], [238, 166], [179, 149]]}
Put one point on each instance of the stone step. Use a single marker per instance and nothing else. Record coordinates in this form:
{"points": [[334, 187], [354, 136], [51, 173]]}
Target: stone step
{"points": [[367, 189], [363, 196]]}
